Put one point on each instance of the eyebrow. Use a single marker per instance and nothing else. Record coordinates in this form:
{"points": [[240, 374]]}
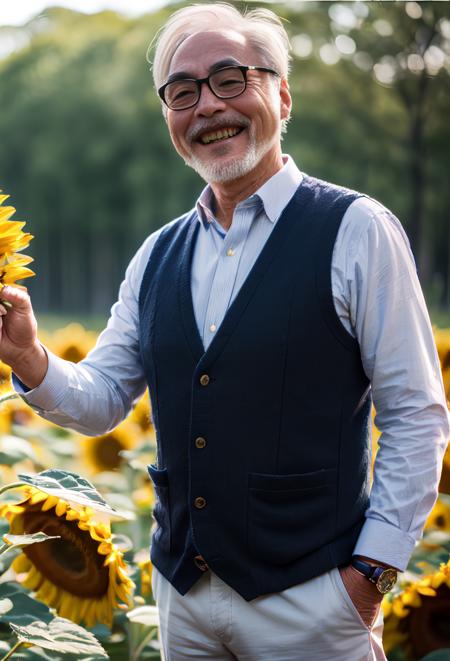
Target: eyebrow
{"points": [[181, 75]]}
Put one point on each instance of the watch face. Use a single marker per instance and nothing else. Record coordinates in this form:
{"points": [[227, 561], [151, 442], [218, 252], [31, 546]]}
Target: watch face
{"points": [[386, 580]]}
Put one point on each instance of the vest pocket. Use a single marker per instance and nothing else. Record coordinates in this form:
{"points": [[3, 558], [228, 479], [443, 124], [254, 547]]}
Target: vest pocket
{"points": [[161, 511], [290, 516]]}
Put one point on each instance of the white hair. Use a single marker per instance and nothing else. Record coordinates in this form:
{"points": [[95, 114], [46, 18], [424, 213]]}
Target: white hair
{"points": [[263, 29]]}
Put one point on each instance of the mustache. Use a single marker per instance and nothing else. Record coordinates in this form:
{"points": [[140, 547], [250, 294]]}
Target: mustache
{"points": [[207, 125]]}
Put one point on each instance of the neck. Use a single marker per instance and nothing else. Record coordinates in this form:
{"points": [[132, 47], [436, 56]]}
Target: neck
{"points": [[228, 194]]}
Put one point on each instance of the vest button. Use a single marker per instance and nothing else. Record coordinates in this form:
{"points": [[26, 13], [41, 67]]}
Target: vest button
{"points": [[200, 502], [200, 442], [204, 379]]}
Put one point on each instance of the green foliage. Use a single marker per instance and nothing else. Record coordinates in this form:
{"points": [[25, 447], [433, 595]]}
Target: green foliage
{"points": [[25, 609], [14, 542], [88, 160], [14, 450], [60, 635], [71, 487]]}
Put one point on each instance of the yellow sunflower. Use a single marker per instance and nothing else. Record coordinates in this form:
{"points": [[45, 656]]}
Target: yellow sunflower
{"points": [[72, 342], [142, 414], [444, 484], [144, 496], [375, 436], [12, 265], [442, 338], [81, 575], [144, 564], [146, 568], [5, 379], [418, 617], [101, 453], [439, 517]]}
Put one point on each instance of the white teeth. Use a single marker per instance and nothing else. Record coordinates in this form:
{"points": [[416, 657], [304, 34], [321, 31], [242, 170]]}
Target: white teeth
{"points": [[221, 134]]}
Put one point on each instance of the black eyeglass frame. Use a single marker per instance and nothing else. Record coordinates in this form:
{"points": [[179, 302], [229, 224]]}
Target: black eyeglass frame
{"points": [[199, 82]]}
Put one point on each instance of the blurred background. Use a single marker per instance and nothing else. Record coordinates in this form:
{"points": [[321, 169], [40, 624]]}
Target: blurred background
{"points": [[87, 160]]}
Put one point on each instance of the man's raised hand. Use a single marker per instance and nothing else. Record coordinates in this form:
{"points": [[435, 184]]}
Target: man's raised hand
{"points": [[19, 345]]}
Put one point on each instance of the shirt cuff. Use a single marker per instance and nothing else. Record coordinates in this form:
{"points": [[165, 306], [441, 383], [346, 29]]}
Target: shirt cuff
{"points": [[49, 393], [383, 542]]}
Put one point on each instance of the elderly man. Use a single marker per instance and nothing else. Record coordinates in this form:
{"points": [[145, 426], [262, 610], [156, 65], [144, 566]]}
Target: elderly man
{"points": [[263, 321]]}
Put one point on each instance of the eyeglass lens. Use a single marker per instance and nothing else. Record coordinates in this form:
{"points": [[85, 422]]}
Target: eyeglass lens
{"points": [[225, 83]]}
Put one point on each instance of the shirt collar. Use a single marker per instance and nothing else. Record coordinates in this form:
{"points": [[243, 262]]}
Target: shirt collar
{"points": [[274, 194]]}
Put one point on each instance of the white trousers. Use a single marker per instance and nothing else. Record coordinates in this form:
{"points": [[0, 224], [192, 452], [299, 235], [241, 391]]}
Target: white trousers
{"points": [[313, 621]]}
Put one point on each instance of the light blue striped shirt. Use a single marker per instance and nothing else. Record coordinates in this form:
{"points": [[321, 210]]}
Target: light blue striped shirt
{"points": [[223, 259]]}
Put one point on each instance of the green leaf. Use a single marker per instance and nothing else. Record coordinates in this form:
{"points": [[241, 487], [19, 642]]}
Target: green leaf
{"points": [[9, 395], [438, 655], [122, 542], [19, 541], [14, 449], [60, 635], [147, 615], [72, 488], [6, 559], [5, 606], [37, 654], [25, 609], [397, 654]]}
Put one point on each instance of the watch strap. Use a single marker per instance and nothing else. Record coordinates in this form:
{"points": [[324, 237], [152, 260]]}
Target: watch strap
{"points": [[365, 568]]}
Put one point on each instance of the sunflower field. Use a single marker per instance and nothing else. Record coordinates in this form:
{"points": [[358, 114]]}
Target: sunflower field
{"points": [[75, 519], [70, 585]]}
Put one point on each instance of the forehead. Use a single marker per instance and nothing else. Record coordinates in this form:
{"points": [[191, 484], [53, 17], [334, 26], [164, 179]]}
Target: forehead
{"points": [[200, 51]]}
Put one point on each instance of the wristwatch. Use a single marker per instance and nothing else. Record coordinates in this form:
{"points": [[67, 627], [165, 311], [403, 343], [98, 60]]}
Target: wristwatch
{"points": [[383, 577]]}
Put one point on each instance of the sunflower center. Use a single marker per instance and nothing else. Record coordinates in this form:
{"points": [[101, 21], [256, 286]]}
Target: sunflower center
{"points": [[72, 562], [67, 555], [73, 353], [107, 452], [429, 625]]}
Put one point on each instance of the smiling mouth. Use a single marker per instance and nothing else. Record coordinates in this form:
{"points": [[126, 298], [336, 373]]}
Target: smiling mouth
{"points": [[219, 135]]}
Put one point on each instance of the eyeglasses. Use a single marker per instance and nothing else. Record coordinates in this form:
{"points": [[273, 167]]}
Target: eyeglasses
{"points": [[225, 83]]}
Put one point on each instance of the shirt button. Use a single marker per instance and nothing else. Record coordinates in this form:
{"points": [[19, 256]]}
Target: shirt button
{"points": [[230, 252], [204, 379], [200, 442], [212, 328], [200, 502]]}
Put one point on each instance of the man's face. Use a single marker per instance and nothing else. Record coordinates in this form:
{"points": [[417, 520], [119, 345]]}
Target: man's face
{"points": [[254, 116]]}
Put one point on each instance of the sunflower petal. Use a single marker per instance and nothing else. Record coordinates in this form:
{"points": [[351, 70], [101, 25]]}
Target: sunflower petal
{"points": [[50, 502], [21, 564], [61, 508], [37, 497]]}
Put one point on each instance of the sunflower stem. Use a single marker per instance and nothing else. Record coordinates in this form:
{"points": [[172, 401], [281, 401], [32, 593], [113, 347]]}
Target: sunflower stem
{"points": [[10, 395], [13, 485], [143, 644], [12, 650]]}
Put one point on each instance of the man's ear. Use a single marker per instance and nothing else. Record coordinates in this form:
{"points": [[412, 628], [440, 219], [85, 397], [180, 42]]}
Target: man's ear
{"points": [[285, 100]]}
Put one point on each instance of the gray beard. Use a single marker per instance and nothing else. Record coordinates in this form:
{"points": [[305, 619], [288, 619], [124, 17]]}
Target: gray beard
{"points": [[215, 172]]}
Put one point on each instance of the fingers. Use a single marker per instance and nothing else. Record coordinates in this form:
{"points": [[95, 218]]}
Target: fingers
{"points": [[16, 298], [3, 310]]}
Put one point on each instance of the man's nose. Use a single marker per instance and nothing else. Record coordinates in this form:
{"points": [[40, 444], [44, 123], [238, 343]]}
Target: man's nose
{"points": [[208, 103]]}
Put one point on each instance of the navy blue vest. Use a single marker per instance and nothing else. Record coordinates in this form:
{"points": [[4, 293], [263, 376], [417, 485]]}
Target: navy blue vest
{"points": [[275, 490]]}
